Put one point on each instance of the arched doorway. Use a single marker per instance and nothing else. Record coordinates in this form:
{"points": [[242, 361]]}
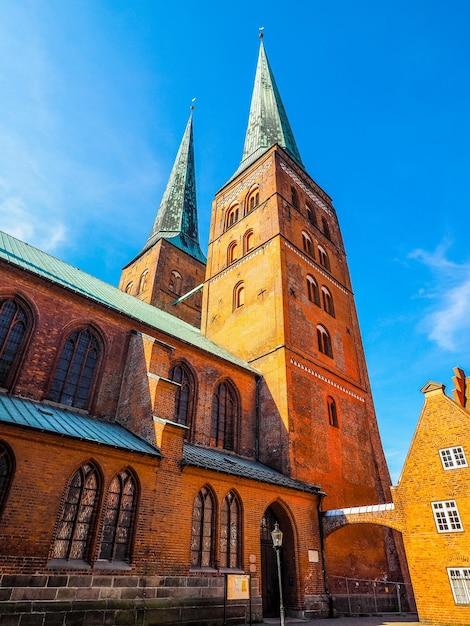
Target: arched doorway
{"points": [[269, 580]]}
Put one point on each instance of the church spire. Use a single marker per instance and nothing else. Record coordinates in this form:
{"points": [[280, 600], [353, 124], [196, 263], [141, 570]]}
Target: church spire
{"points": [[176, 218], [267, 122]]}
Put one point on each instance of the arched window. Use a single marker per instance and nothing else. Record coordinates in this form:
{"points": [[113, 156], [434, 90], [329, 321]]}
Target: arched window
{"points": [[119, 518], [7, 467], [312, 290], [332, 412], [239, 295], [326, 228], [248, 241], [184, 400], [176, 282], [77, 519], [143, 281], [307, 244], [324, 341], [311, 215], [129, 287], [76, 369], [202, 533], [327, 301], [224, 416], [232, 215], [232, 252], [294, 197], [14, 327], [324, 260], [230, 531], [252, 200]]}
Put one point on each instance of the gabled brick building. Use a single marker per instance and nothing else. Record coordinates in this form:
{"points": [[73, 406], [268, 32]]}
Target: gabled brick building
{"points": [[151, 436]]}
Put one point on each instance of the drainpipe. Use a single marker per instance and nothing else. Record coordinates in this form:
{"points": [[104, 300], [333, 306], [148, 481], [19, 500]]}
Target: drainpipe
{"points": [[322, 549], [258, 386]]}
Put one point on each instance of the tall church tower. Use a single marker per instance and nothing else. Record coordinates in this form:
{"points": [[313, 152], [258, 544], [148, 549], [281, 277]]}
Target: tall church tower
{"points": [[278, 294], [170, 268]]}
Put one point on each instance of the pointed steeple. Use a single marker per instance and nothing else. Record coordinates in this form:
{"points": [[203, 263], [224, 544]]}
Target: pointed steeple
{"points": [[176, 218], [267, 123]]}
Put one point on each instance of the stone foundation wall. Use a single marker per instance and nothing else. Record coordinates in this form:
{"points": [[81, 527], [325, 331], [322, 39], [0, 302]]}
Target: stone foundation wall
{"points": [[68, 600]]}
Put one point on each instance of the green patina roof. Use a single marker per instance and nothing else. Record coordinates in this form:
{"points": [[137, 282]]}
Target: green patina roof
{"points": [[176, 218], [267, 123], [40, 263], [48, 418]]}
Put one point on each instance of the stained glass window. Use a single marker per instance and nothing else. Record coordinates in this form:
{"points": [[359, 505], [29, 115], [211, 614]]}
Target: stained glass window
{"points": [[118, 518], [230, 531], [13, 329], [202, 554]]}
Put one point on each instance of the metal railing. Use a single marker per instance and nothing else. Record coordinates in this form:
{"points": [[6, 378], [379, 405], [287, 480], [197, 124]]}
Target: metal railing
{"points": [[357, 596]]}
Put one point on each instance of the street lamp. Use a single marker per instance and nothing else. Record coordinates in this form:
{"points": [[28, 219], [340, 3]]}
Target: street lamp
{"points": [[276, 535]]}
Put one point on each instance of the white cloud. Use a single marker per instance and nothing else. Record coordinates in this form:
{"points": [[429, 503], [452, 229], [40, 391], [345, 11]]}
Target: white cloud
{"points": [[448, 323]]}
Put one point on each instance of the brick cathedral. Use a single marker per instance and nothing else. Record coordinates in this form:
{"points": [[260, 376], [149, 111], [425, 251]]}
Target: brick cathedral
{"points": [[151, 436]]}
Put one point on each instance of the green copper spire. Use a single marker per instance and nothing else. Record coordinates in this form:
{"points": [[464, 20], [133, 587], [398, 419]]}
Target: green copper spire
{"points": [[267, 122], [176, 218]]}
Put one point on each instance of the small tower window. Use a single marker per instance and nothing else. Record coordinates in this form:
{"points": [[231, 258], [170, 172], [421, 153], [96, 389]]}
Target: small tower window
{"points": [[176, 282], [327, 301], [332, 412], [232, 216], [129, 287], [252, 200], [239, 295], [232, 253], [143, 281], [312, 290], [248, 241], [307, 244], [311, 215], [324, 341], [324, 260], [325, 228], [294, 197]]}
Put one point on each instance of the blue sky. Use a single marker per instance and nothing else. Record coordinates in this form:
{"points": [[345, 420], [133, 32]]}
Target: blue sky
{"points": [[95, 96]]}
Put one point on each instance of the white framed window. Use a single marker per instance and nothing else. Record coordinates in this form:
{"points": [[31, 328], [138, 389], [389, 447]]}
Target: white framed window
{"points": [[459, 579], [446, 515], [453, 457]]}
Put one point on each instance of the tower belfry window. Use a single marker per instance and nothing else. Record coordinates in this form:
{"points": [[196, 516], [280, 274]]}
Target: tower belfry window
{"points": [[232, 252], [328, 301], [324, 341], [252, 200], [311, 215], [176, 282], [308, 244], [143, 281], [232, 216], [324, 260], [326, 228], [239, 295], [294, 197], [312, 290], [248, 241]]}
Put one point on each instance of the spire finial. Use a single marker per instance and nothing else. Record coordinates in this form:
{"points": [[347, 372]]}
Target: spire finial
{"points": [[192, 104], [261, 34]]}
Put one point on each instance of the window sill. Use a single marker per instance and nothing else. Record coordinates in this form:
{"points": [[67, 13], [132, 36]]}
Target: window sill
{"points": [[67, 564], [112, 565]]}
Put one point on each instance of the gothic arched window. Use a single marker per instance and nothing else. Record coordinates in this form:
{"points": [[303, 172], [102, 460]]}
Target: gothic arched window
{"points": [[184, 400], [232, 216], [312, 290], [129, 287], [252, 200], [119, 518], [224, 416], [230, 531], [143, 281], [248, 241], [77, 519], [294, 197], [324, 341], [311, 215], [326, 228], [308, 244], [14, 328], [332, 412], [328, 301], [232, 252], [202, 530], [176, 282], [76, 369], [324, 260], [239, 295], [7, 467]]}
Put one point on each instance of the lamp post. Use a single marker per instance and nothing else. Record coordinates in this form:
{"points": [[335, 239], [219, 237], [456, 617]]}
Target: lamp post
{"points": [[276, 535]]}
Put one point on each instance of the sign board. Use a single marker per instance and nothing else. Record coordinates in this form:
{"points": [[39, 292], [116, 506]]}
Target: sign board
{"points": [[238, 587]]}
